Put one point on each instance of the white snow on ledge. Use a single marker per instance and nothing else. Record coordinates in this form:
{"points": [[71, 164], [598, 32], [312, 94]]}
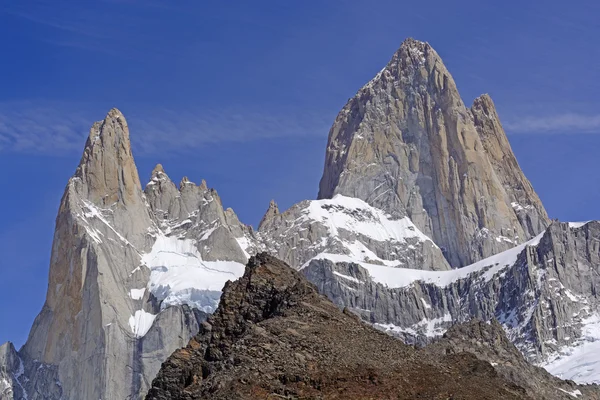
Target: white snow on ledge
{"points": [[576, 225], [428, 327], [404, 277], [575, 393]]}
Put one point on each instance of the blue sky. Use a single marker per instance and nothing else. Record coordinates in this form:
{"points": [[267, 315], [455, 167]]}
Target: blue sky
{"points": [[243, 96]]}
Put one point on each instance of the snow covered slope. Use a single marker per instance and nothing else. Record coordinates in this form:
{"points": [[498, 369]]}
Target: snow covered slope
{"points": [[579, 362], [348, 227], [398, 278]]}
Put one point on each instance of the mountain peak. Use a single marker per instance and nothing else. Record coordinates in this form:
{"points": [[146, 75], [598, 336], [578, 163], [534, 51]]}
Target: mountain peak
{"points": [[411, 43], [271, 212], [407, 144], [107, 168], [158, 169], [115, 113], [115, 119]]}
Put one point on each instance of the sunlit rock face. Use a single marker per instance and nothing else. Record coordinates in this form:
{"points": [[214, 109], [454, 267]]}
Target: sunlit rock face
{"points": [[406, 144]]}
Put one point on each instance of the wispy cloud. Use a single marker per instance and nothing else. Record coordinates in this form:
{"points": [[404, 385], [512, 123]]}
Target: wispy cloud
{"points": [[565, 123], [30, 128], [121, 28], [54, 129], [178, 131]]}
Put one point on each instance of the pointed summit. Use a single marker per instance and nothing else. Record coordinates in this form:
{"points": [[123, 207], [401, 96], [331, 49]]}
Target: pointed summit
{"points": [[406, 144], [107, 169], [159, 178], [185, 182], [416, 50], [158, 169], [272, 211], [101, 230]]}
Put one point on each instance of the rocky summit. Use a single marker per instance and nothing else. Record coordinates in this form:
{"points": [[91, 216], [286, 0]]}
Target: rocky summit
{"points": [[407, 144], [425, 232]]}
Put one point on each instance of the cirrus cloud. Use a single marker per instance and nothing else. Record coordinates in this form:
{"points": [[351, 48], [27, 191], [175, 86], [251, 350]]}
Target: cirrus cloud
{"points": [[53, 128], [564, 123]]}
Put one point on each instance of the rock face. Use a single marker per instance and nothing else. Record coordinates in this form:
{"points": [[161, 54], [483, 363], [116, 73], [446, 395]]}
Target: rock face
{"points": [[100, 233], [11, 369], [196, 212], [524, 201], [272, 211], [407, 144], [350, 228], [543, 292], [119, 300], [274, 336]]}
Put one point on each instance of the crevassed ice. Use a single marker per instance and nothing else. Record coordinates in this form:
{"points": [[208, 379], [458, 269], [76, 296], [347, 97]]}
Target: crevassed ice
{"points": [[180, 276]]}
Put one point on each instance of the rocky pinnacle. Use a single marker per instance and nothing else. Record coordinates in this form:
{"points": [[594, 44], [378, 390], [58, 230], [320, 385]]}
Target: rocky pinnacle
{"points": [[406, 143], [272, 211]]}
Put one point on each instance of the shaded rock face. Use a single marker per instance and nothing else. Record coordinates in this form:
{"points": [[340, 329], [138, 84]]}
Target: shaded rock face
{"points": [[273, 335], [196, 212], [406, 143], [10, 371], [542, 293]]}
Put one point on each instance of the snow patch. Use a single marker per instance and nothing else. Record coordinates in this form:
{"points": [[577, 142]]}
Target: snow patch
{"points": [[244, 244], [427, 306], [137, 294], [141, 322], [358, 217], [576, 225], [350, 278], [575, 393], [428, 327]]}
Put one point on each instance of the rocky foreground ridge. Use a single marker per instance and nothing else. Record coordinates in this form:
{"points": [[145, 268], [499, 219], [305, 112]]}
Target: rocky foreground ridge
{"points": [[274, 336], [415, 185]]}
